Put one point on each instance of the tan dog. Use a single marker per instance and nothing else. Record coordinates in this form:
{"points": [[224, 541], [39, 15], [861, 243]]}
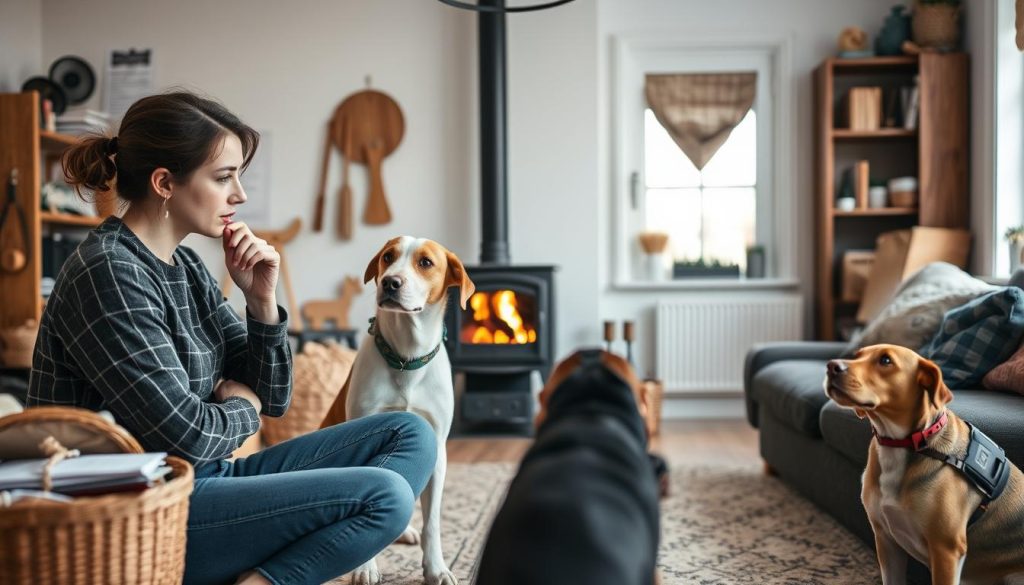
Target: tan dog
{"points": [[404, 366], [917, 504]]}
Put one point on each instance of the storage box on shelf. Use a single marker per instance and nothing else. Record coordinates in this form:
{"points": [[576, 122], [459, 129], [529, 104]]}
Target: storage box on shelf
{"points": [[35, 153], [933, 148]]}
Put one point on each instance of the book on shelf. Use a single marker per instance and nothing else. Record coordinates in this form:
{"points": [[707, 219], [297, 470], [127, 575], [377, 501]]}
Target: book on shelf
{"points": [[864, 108]]}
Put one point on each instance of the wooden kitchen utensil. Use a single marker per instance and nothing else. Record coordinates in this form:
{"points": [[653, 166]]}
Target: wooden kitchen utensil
{"points": [[368, 126], [318, 211], [345, 199], [377, 210]]}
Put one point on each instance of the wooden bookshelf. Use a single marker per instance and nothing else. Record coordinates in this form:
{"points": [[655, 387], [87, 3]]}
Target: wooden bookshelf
{"points": [[935, 152], [56, 141], [882, 133], [69, 219], [26, 147], [876, 212]]}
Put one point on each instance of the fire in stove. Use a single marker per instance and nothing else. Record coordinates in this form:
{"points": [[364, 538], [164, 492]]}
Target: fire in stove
{"points": [[499, 317]]}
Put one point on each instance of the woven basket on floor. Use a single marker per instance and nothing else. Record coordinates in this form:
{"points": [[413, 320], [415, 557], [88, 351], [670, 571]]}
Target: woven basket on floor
{"points": [[136, 537], [319, 372], [654, 392]]}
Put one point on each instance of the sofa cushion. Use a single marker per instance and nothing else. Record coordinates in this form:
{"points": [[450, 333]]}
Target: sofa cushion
{"points": [[913, 316], [997, 415], [792, 391], [1009, 375], [978, 336], [844, 432]]}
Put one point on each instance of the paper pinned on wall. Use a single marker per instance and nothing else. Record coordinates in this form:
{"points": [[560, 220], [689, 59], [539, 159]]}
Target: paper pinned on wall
{"points": [[256, 181], [129, 76]]}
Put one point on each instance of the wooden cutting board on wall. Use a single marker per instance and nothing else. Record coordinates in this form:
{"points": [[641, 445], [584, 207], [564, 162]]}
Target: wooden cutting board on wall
{"points": [[366, 127]]}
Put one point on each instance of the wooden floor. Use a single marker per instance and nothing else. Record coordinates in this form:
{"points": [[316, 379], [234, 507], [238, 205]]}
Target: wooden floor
{"points": [[681, 442]]}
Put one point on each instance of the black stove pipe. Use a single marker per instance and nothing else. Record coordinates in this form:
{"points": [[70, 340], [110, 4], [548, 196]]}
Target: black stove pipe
{"points": [[493, 137]]}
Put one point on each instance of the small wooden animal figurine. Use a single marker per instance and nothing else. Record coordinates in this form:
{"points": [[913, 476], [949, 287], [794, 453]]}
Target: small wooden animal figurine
{"points": [[317, 313]]}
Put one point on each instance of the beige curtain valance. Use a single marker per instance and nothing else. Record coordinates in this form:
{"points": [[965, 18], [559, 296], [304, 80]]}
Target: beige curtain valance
{"points": [[699, 110]]}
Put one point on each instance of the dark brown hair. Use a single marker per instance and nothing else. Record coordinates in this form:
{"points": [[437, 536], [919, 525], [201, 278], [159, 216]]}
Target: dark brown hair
{"points": [[177, 131]]}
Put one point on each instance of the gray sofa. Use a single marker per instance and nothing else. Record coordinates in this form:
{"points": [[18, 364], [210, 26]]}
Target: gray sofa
{"points": [[821, 449]]}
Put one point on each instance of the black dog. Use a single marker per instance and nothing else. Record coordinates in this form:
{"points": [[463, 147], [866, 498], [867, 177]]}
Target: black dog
{"points": [[583, 507]]}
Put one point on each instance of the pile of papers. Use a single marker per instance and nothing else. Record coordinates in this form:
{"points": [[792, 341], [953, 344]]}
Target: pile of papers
{"points": [[83, 121], [88, 474]]}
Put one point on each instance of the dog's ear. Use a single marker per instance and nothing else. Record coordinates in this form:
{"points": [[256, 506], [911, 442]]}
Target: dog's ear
{"points": [[373, 268], [457, 276], [929, 378]]}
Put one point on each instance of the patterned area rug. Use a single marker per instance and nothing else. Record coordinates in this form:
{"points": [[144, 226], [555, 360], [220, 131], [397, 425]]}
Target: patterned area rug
{"points": [[735, 525], [722, 526], [472, 494]]}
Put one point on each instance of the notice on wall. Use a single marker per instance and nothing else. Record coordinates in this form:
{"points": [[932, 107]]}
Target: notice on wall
{"points": [[129, 76], [256, 181]]}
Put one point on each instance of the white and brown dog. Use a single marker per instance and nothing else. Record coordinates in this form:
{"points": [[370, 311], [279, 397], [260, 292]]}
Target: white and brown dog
{"points": [[410, 370], [917, 496]]}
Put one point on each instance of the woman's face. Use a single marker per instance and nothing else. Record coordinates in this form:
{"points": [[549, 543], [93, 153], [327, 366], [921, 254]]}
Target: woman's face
{"points": [[207, 202]]}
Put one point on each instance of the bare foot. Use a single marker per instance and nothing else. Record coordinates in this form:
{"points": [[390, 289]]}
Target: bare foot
{"points": [[252, 578]]}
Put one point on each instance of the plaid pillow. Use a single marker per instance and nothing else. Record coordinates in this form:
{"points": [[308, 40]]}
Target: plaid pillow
{"points": [[978, 336]]}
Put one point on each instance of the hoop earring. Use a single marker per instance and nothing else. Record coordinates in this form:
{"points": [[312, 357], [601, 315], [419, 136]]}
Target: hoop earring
{"points": [[164, 206]]}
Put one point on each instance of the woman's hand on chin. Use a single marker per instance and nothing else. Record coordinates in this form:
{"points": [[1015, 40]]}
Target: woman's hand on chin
{"points": [[254, 266]]}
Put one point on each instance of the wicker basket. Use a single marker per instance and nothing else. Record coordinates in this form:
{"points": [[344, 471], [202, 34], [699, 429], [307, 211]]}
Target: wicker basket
{"points": [[936, 26], [654, 392], [320, 371], [136, 537]]}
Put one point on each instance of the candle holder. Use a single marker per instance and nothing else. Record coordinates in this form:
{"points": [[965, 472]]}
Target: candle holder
{"points": [[628, 335], [609, 334]]}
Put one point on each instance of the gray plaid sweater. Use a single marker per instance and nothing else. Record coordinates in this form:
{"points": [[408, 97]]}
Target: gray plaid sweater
{"points": [[126, 332]]}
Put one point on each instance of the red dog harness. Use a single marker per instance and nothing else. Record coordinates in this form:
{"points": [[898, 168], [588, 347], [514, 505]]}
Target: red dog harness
{"points": [[985, 467]]}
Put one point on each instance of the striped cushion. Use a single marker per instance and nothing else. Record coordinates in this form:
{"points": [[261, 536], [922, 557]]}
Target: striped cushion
{"points": [[978, 336]]}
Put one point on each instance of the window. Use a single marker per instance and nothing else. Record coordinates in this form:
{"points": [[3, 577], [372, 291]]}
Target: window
{"points": [[741, 197], [709, 214]]}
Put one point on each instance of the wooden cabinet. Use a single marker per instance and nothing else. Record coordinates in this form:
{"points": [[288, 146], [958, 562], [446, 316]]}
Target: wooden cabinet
{"points": [[935, 152], [34, 152]]}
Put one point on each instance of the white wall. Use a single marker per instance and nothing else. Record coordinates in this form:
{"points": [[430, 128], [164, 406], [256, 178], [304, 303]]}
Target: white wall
{"points": [[980, 42], [812, 27], [21, 43], [553, 160], [283, 68]]}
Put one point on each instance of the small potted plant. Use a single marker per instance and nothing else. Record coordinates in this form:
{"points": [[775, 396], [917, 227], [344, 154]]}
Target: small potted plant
{"points": [[755, 261], [704, 269], [1015, 237]]}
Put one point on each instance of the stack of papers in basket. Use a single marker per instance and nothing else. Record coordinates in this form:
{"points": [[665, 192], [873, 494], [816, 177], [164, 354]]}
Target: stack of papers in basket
{"points": [[88, 474]]}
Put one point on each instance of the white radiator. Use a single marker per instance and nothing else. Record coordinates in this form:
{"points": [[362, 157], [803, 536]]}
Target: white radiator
{"points": [[701, 344]]}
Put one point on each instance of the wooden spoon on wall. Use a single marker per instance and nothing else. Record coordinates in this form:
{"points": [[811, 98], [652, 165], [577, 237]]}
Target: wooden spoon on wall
{"points": [[368, 126], [345, 197]]}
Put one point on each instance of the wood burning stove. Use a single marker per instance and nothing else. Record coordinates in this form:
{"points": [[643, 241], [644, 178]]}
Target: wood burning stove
{"points": [[507, 330]]}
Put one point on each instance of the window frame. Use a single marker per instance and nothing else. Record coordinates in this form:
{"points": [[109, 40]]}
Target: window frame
{"points": [[776, 201]]}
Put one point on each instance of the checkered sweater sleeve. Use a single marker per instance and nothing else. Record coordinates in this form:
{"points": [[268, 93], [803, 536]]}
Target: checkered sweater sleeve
{"points": [[258, 355], [124, 347]]}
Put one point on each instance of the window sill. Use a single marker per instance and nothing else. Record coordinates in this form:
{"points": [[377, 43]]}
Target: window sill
{"points": [[708, 284]]}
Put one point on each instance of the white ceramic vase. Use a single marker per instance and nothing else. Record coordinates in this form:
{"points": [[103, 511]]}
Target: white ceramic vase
{"points": [[656, 269]]}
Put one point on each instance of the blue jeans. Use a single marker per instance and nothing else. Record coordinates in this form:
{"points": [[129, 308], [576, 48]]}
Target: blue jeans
{"points": [[312, 508]]}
